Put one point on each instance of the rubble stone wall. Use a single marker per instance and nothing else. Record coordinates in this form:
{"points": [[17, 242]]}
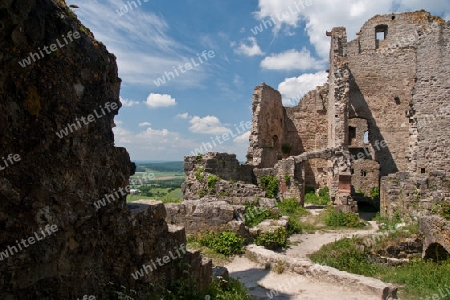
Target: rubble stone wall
{"points": [[58, 178]]}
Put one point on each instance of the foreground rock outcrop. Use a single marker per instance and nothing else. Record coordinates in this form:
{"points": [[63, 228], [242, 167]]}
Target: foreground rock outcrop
{"points": [[56, 118]]}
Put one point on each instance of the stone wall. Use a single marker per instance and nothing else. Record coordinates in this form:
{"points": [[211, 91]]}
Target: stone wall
{"points": [[224, 165], [58, 179], [268, 127], [307, 130], [412, 195], [207, 214], [290, 176], [235, 180], [365, 175], [386, 77], [436, 232], [430, 116]]}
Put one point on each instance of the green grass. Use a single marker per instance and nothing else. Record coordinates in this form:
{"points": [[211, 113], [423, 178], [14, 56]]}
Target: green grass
{"points": [[175, 196], [312, 198], [217, 258], [341, 219], [415, 280], [291, 208], [272, 240], [233, 289], [185, 288], [255, 215], [225, 242]]}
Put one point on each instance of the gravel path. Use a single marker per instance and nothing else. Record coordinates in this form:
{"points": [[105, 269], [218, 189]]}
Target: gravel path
{"points": [[263, 284]]}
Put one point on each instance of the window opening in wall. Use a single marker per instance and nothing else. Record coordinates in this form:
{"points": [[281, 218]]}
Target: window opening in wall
{"points": [[422, 170], [352, 171], [351, 134], [380, 34], [366, 137], [397, 100], [363, 173]]}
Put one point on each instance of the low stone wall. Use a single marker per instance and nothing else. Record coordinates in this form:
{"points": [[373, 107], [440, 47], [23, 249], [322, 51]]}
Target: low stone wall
{"points": [[436, 231], [224, 165], [412, 195], [208, 214], [148, 221], [324, 273], [235, 180]]}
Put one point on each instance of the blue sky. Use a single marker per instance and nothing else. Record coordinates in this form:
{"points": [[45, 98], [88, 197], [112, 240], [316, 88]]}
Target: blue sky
{"points": [[166, 121]]}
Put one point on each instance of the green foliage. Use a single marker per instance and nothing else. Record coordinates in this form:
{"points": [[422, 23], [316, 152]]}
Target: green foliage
{"points": [[255, 215], [286, 148], [225, 242], [199, 157], [443, 209], [269, 184], [294, 226], [198, 174], [272, 240], [417, 280], [184, 287], [224, 193], [360, 193], [221, 290], [324, 193], [202, 193], [83, 29], [212, 180], [375, 193], [341, 219], [290, 207], [345, 255], [279, 267], [287, 179], [387, 223], [311, 197]]}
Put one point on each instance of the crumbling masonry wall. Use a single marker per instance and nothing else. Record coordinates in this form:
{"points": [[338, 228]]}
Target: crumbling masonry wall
{"points": [[390, 83], [57, 180], [268, 128], [306, 130]]}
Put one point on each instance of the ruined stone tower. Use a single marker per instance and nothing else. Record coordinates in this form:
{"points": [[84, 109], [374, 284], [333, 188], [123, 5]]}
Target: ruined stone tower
{"points": [[384, 111]]}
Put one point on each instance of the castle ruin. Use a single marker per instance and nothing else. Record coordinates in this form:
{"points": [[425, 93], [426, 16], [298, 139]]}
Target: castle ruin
{"points": [[379, 122]]}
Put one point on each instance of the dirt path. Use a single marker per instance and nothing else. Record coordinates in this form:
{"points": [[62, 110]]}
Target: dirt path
{"points": [[264, 284]]}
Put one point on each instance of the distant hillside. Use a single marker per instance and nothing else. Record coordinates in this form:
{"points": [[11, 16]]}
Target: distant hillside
{"points": [[172, 166]]}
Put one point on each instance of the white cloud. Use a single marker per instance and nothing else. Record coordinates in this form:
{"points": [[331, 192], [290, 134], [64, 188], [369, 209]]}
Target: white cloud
{"points": [[207, 125], [323, 15], [160, 100], [293, 89], [153, 143], [145, 124], [128, 103], [243, 138], [292, 60], [248, 49], [142, 55], [184, 116]]}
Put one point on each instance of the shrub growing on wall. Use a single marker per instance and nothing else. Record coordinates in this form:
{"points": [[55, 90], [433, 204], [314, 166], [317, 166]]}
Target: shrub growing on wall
{"points": [[269, 184]]}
